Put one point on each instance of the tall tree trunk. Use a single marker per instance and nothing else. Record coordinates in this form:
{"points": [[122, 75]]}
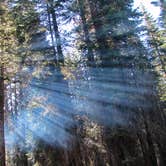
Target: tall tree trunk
{"points": [[56, 31], [98, 26], [51, 32], [143, 145], [86, 31], [162, 152], [2, 137], [151, 149]]}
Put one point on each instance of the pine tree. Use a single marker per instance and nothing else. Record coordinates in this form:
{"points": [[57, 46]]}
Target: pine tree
{"points": [[82, 11], [8, 45], [52, 11], [156, 40]]}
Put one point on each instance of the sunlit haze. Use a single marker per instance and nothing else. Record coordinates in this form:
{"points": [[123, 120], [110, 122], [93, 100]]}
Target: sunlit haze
{"points": [[154, 10]]}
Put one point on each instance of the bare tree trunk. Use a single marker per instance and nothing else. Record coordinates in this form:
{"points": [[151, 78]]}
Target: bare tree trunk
{"points": [[56, 31], [144, 149], [51, 32], [98, 26], [86, 31], [2, 137], [149, 139]]}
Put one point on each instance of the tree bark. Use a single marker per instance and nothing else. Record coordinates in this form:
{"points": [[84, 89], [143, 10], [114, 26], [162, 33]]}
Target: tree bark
{"points": [[56, 32], [86, 31], [98, 26], [149, 139], [51, 32]]}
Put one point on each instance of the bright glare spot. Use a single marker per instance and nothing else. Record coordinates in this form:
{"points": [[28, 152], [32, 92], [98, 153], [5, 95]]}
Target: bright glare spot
{"points": [[152, 9]]}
